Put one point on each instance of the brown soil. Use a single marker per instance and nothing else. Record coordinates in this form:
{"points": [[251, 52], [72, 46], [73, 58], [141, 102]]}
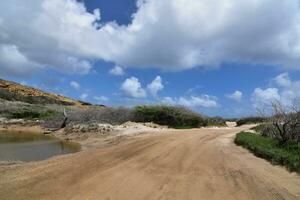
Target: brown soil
{"points": [[177, 164], [22, 128]]}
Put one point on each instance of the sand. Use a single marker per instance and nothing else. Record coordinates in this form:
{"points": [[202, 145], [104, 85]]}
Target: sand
{"points": [[172, 164]]}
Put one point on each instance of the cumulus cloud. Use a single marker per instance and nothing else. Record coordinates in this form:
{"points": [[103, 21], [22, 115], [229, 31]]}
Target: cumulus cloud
{"points": [[169, 101], [155, 86], [37, 38], [205, 101], [133, 88], [283, 80], [83, 96], [286, 91], [75, 85], [289, 89], [236, 96], [117, 71], [13, 62], [61, 34], [262, 97]]}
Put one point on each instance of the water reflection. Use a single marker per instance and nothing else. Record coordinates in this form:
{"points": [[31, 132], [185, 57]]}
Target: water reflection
{"points": [[31, 146]]}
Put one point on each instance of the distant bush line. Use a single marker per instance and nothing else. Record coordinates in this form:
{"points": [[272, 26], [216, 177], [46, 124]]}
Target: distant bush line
{"points": [[174, 117], [52, 115], [249, 120], [171, 116], [271, 149], [30, 114]]}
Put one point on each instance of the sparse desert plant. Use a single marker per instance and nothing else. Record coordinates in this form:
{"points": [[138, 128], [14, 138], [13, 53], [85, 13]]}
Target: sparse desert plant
{"points": [[21, 110], [284, 124], [176, 117], [92, 115], [102, 115], [54, 122], [52, 116]]}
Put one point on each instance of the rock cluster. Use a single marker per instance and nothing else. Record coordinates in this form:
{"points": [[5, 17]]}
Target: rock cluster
{"points": [[138, 125], [89, 128]]}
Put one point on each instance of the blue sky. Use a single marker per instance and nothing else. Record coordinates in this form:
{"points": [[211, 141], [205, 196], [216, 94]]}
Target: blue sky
{"points": [[159, 59]]}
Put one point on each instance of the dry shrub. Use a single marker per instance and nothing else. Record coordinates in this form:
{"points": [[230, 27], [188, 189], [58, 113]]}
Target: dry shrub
{"points": [[284, 124]]}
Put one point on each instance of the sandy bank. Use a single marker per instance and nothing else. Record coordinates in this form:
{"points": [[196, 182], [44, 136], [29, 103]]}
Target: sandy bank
{"points": [[88, 136], [99, 135]]}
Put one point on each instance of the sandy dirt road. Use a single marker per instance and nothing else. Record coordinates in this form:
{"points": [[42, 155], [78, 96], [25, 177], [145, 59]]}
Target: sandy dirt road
{"points": [[184, 164]]}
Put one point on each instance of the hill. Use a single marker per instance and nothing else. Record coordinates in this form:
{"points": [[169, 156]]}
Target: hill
{"points": [[12, 91]]}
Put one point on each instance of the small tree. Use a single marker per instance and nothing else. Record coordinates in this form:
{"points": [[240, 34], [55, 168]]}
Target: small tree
{"points": [[284, 123]]}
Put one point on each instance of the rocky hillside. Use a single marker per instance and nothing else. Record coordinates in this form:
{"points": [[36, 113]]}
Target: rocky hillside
{"points": [[12, 91]]}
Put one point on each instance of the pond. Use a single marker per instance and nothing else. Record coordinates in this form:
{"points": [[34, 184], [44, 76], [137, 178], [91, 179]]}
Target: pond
{"points": [[23, 146]]}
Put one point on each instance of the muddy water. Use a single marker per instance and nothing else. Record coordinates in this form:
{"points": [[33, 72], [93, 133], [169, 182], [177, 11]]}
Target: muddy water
{"points": [[31, 146]]}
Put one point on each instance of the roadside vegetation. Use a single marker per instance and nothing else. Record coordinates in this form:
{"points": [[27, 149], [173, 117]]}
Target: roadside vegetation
{"points": [[171, 116], [271, 149], [52, 116], [249, 120], [277, 139]]}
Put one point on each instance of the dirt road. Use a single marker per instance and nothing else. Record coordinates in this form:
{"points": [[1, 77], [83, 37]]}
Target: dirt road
{"points": [[184, 164]]}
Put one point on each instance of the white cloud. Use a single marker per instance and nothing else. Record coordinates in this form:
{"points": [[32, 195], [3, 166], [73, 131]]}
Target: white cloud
{"points": [[205, 101], [38, 35], [286, 91], [83, 96], [132, 88], [289, 89], [155, 86], [101, 98], [262, 97], [117, 71], [168, 101], [13, 62], [75, 65], [75, 85], [283, 80], [236, 96], [170, 34]]}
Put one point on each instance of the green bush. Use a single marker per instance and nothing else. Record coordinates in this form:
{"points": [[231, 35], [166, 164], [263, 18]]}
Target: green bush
{"points": [[249, 120], [271, 149], [216, 121], [30, 114], [175, 117]]}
